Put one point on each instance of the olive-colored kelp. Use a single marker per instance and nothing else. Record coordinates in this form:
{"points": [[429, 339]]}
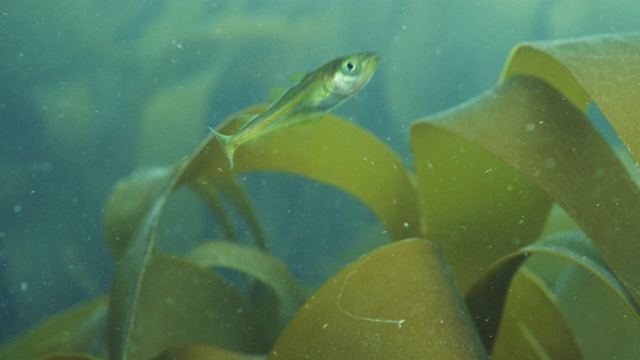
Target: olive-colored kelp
{"points": [[477, 266]]}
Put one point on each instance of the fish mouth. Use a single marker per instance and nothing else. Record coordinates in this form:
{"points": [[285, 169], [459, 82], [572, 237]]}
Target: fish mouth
{"points": [[372, 60], [370, 64]]}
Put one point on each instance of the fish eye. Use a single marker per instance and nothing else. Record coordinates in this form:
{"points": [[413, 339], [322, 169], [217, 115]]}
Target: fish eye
{"points": [[349, 67]]}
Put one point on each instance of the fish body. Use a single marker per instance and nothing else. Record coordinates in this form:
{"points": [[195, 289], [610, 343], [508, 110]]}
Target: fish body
{"points": [[316, 94]]}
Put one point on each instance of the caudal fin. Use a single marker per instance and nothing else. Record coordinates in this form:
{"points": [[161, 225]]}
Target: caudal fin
{"points": [[226, 145]]}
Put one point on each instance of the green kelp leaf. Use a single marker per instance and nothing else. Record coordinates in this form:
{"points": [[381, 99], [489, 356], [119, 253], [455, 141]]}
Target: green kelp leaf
{"points": [[397, 302], [605, 69], [130, 201], [478, 207], [486, 299], [255, 263], [533, 325], [180, 303], [201, 352], [337, 153], [72, 330]]}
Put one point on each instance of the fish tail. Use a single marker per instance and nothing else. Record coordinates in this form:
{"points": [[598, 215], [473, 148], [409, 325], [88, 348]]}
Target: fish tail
{"points": [[226, 144]]}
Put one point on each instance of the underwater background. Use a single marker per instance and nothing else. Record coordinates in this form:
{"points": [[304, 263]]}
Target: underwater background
{"points": [[92, 89]]}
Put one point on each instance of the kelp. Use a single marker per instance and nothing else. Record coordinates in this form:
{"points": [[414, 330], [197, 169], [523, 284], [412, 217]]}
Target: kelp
{"points": [[464, 226]]}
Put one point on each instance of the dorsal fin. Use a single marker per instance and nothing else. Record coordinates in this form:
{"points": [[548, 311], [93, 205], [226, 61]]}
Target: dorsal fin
{"points": [[274, 94]]}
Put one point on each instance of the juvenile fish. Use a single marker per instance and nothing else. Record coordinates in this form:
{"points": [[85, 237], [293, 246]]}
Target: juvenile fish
{"points": [[316, 94]]}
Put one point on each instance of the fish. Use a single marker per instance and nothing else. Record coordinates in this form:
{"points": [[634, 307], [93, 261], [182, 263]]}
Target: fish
{"points": [[307, 101]]}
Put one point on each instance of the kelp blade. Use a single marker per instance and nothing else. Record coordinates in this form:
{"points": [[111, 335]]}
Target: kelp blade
{"points": [[180, 303], [533, 325], [397, 302], [475, 205], [486, 299], [606, 70], [548, 140], [255, 263], [337, 153]]}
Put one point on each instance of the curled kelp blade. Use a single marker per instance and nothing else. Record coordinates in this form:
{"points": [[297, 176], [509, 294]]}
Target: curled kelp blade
{"points": [[335, 152], [531, 127], [486, 298], [254, 263], [75, 330], [397, 302], [603, 69], [478, 207], [533, 324]]}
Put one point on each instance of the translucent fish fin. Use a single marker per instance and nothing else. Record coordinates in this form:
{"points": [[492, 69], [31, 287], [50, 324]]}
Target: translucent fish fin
{"points": [[274, 94], [296, 78], [310, 124]]}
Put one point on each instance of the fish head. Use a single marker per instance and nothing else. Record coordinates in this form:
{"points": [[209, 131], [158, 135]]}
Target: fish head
{"points": [[349, 74]]}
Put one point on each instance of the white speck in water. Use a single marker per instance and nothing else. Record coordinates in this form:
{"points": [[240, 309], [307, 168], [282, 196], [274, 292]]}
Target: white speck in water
{"points": [[406, 225], [510, 187], [17, 208], [325, 326], [550, 163], [24, 286], [530, 127]]}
